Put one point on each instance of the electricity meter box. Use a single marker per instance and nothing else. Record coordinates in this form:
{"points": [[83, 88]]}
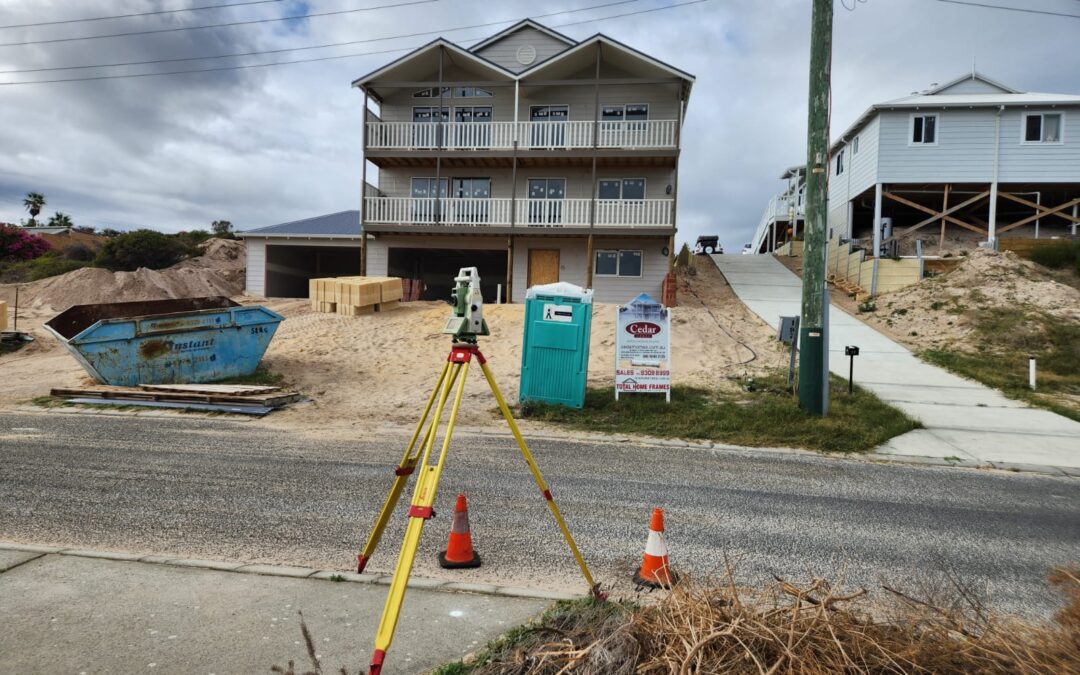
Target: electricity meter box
{"points": [[555, 350]]}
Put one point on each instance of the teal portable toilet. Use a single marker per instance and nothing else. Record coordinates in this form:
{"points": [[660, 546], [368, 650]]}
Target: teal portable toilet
{"points": [[555, 351]]}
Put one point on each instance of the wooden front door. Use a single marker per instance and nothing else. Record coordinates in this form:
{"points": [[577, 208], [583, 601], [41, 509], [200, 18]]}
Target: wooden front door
{"points": [[543, 266]]}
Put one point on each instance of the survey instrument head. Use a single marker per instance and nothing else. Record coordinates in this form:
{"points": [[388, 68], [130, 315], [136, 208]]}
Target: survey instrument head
{"points": [[467, 321]]}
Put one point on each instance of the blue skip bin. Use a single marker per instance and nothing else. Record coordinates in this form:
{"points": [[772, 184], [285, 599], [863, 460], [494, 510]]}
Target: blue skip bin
{"points": [[184, 341]]}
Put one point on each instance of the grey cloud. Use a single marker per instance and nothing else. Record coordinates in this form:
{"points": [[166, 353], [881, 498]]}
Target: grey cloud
{"points": [[267, 145]]}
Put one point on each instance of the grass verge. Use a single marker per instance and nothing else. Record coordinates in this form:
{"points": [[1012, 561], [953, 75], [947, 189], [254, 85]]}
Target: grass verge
{"points": [[1004, 339], [763, 414], [815, 628]]}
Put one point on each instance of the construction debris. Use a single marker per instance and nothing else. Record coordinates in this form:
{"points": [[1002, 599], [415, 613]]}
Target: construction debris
{"points": [[353, 296], [178, 399]]}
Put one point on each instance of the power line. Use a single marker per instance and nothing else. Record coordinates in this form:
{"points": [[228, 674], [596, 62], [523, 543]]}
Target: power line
{"points": [[218, 25], [342, 56], [1011, 9], [323, 46], [128, 16]]}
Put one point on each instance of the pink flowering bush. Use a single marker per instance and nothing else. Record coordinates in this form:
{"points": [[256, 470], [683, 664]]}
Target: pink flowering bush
{"points": [[18, 244]]}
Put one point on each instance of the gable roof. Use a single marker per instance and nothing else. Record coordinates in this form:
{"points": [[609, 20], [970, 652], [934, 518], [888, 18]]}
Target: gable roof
{"points": [[931, 99], [438, 42], [605, 40], [973, 76], [343, 224], [526, 23]]}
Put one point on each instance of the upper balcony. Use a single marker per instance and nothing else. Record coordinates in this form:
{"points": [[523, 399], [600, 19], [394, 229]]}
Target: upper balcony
{"points": [[480, 137]]}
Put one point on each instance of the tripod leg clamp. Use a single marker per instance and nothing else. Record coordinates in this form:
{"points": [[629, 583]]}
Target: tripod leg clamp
{"points": [[424, 512]]}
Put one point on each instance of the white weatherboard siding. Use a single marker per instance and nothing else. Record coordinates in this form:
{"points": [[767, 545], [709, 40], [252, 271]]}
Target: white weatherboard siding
{"points": [[1040, 162], [860, 173], [965, 149], [504, 51], [255, 273]]}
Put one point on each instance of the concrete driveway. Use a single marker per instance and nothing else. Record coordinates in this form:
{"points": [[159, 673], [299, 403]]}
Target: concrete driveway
{"points": [[962, 418]]}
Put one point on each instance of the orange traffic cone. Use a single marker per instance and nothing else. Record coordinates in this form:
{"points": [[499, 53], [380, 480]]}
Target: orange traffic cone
{"points": [[459, 553], [655, 571]]}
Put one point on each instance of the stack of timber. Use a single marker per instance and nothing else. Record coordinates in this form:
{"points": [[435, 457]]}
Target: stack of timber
{"points": [[352, 296], [240, 399], [3, 316]]}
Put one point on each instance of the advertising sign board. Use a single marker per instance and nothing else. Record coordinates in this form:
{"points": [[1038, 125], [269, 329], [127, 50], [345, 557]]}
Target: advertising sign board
{"points": [[643, 348]]}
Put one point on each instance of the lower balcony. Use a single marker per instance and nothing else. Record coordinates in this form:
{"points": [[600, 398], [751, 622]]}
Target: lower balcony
{"points": [[497, 212]]}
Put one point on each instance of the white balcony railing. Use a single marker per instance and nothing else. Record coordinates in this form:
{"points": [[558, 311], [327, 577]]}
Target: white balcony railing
{"points": [[529, 212], [646, 134]]}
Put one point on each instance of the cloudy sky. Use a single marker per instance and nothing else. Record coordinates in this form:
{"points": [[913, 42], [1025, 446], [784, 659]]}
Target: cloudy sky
{"points": [[264, 145]]}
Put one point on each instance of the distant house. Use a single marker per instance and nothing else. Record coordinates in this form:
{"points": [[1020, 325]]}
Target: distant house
{"points": [[281, 258], [535, 157], [968, 161]]}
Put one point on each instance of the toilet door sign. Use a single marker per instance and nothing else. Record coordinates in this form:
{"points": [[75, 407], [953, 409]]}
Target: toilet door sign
{"points": [[643, 348], [560, 313]]}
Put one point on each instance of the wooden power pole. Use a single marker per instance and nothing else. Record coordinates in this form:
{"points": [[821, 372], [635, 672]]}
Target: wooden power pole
{"points": [[813, 361]]}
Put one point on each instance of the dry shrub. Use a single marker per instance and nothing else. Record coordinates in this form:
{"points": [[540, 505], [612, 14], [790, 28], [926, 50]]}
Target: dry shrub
{"points": [[709, 627]]}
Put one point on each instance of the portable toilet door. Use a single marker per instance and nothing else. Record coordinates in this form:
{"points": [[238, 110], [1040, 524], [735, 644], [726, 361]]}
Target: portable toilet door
{"points": [[555, 349]]}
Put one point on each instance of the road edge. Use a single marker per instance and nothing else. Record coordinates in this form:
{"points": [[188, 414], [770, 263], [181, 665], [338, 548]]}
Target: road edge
{"points": [[292, 572]]}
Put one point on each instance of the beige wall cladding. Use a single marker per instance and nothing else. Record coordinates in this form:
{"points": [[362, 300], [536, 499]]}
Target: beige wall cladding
{"points": [[892, 274]]}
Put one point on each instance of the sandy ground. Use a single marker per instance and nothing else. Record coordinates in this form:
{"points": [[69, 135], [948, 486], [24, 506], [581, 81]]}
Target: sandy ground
{"points": [[363, 373]]}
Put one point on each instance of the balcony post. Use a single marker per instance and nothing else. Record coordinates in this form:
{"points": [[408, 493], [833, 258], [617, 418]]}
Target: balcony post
{"points": [[363, 186], [675, 181], [513, 172], [439, 129], [595, 145]]}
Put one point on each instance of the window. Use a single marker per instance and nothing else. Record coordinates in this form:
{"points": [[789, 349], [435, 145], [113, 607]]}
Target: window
{"points": [[426, 208], [546, 200], [550, 135], [636, 114], [459, 92], [839, 162], [924, 129], [621, 188], [617, 264], [855, 146], [1042, 127]]}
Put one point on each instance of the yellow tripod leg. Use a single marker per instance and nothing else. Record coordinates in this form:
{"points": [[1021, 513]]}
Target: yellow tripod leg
{"points": [[402, 473], [419, 511], [594, 588]]}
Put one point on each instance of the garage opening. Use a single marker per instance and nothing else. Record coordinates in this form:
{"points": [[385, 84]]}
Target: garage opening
{"points": [[437, 267], [288, 268]]}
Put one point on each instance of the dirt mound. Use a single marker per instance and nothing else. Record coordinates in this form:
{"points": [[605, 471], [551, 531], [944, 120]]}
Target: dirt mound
{"points": [[219, 271], [938, 311], [61, 242]]}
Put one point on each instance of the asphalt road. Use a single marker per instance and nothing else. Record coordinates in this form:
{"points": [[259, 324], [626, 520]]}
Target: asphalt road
{"points": [[238, 491]]}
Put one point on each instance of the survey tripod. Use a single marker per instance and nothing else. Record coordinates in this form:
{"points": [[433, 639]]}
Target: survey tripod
{"points": [[464, 326]]}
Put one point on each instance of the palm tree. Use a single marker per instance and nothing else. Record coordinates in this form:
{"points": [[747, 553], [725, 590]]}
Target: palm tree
{"points": [[60, 220], [33, 203]]}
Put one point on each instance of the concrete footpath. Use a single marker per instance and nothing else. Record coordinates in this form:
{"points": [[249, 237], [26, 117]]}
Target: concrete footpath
{"points": [[85, 612], [962, 418]]}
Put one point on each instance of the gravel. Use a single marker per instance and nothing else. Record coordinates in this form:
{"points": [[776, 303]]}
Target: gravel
{"points": [[229, 490]]}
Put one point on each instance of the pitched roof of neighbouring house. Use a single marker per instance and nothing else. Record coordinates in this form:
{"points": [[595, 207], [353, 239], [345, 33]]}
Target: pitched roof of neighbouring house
{"points": [[340, 224]]}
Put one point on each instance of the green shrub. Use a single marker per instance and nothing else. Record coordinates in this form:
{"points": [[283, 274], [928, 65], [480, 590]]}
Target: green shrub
{"points": [[79, 252], [141, 248], [1057, 255], [48, 265]]}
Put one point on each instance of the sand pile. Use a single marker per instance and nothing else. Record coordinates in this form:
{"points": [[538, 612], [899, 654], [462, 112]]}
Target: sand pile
{"points": [[937, 311], [219, 271], [380, 367]]}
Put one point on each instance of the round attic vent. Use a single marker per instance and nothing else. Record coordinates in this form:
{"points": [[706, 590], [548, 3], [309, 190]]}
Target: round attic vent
{"points": [[526, 54]]}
